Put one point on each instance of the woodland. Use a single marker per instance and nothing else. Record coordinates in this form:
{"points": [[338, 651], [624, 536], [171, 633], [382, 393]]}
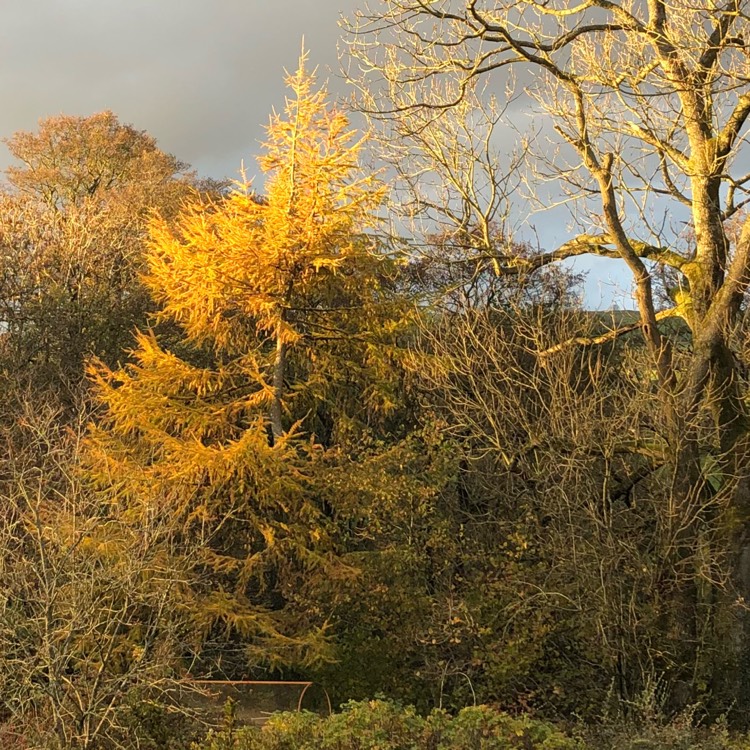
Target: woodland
{"points": [[352, 422]]}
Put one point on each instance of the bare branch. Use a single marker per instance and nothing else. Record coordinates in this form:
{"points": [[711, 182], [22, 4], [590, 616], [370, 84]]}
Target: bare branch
{"points": [[607, 337]]}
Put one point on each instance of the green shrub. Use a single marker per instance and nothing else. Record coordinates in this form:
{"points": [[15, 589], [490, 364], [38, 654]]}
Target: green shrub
{"points": [[384, 725], [483, 728], [373, 725]]}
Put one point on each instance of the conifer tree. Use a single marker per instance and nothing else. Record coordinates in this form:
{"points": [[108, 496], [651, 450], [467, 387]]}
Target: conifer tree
{"points": [[278, 310]]}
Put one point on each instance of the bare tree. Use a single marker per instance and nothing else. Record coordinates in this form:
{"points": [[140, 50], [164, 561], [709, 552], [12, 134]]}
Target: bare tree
{"points": [[89, 625], [568, 504], [640, 110]]}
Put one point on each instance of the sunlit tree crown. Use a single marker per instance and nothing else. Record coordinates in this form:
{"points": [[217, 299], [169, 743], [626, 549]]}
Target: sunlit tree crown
{"points": [[274, 308], [257, 265]]}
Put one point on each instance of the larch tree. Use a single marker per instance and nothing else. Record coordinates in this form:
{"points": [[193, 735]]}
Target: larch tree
{"points": [[640, 114], [271, 325]]}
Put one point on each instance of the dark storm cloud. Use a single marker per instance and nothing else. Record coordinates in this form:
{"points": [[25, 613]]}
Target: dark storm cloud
{"points": [[199, 75]]}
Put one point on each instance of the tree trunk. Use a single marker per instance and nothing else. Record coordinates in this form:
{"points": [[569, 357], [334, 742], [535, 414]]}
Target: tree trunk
{"points": [[279, 371]]}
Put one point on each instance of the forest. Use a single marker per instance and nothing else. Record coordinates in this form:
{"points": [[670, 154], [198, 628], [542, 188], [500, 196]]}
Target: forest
{"points": [[353, 422]]}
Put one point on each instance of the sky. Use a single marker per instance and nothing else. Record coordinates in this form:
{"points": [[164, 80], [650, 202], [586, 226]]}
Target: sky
{"points": [[201, 76]]}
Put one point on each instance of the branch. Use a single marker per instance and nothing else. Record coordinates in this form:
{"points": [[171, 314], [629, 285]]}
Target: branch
{"points": [[719, 39], [615, 333], [584, 244], [728, 135], [677, 156], [731, 206], [672, 189]]}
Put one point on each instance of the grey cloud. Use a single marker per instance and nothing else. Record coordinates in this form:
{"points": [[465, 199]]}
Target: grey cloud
{"points": [[200, 75]]}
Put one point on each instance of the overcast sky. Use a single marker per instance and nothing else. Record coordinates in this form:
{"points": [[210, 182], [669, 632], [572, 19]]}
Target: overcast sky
{"points": [[201, 76]]}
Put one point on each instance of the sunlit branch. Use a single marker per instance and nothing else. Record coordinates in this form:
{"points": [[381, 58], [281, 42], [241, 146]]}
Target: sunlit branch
{"points": [[611, 335]]}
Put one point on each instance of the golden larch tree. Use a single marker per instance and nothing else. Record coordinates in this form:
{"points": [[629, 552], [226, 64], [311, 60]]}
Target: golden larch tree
{"points": [[267, 305]]}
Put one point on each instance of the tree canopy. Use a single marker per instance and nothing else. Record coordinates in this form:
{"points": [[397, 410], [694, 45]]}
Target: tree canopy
{"points": [[276, 306]]}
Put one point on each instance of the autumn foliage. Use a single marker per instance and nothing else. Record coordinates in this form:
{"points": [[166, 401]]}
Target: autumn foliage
{"points": [[264, 303], [324, 426]]}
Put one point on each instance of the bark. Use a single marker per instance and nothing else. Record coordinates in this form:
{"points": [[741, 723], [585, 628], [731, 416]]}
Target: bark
{"points": [[279, 372]]}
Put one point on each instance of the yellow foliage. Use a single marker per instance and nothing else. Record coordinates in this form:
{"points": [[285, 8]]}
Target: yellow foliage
{"points": [[273, 299], [236, 273]]}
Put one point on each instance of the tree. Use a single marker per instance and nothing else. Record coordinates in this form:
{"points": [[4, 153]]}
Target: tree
{"points": [[647, 103], [90, 622], [71, 159], [278, 305], [73, 220]]}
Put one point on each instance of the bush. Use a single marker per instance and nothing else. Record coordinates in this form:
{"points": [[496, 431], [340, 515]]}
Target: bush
{"points": [[673, 735], [482, 728], [384, 725]]}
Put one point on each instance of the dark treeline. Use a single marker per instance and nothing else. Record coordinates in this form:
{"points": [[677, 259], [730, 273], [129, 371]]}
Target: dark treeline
{"points": [[255, 434]]}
